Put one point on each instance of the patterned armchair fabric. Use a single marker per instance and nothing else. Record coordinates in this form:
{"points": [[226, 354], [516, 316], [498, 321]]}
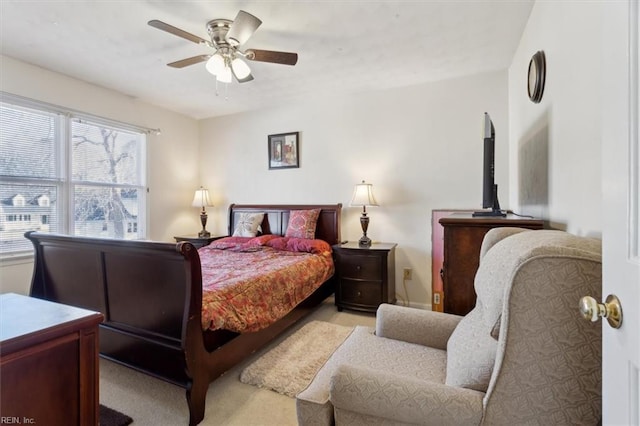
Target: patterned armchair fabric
{"points": [[522, 356]]}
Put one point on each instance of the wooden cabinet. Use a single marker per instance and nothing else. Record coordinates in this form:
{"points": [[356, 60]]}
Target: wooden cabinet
{"points": [[463, 236], [365, 275], [48, 362]]}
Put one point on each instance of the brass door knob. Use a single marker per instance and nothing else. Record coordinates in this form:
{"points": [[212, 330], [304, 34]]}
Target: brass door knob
{"points": [[611, 310]]}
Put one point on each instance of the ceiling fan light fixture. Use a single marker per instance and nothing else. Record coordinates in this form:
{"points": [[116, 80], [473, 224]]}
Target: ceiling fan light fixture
{"points": [[226, 37], [240, 68], [224, 76], [215, 65]]}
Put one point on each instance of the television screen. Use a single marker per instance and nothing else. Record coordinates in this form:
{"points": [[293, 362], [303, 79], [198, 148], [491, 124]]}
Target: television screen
{"points": [[489, 187]]}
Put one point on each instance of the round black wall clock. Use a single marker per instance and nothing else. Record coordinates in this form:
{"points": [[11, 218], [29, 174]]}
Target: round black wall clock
{"points": [[536, 77]]}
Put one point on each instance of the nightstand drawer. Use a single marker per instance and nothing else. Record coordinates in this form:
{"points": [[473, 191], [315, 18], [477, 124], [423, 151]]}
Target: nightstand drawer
{"points": [[363, 293], [360, 267]]}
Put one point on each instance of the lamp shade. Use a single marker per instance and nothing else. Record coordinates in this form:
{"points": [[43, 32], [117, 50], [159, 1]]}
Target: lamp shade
{"points": [[363, 195], [240, 69], [201, 198], [215, 64], [224, 76]]}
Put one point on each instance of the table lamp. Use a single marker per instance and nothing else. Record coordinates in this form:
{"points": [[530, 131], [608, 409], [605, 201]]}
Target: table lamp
{"points": [[363, 196], [201, 200]]}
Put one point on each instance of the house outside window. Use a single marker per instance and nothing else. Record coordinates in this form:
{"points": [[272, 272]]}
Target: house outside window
{"points": [[62, 172]]}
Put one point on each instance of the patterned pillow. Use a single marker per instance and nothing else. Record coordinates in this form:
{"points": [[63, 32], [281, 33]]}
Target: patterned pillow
{"points": [[302, 223], [248, 224], [262, 240], [300, 245]]}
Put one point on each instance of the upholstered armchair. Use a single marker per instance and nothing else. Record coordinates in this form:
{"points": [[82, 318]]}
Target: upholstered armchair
{"points": [[522, 356]]}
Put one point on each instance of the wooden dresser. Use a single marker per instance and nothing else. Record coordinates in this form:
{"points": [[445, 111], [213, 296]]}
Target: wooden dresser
{"points": [[463, 236], [48, 362]]}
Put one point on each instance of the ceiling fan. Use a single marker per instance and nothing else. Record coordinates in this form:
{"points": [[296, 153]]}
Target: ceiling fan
{"points": [[226, 38]]}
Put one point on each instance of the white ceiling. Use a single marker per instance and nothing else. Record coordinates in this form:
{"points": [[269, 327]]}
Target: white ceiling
{"points": [[344, 46]]}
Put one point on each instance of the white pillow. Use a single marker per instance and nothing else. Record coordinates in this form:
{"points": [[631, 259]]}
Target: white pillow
{"points": [[247, 224]]}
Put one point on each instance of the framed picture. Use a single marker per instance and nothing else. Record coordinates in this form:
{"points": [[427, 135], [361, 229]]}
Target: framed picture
{"points": [[283, 151]]}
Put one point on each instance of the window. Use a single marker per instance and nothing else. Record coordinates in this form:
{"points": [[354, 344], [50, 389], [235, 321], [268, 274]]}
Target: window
{"points": [[68, 173]]}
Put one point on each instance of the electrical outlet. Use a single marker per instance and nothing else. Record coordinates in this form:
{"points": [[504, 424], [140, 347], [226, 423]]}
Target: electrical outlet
{"points": [[436, 299], [407, 273]]}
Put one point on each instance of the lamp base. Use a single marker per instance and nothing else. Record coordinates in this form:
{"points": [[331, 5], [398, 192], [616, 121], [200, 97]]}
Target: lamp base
{"points": [[364, 241], [364, 223], [203, 219]]}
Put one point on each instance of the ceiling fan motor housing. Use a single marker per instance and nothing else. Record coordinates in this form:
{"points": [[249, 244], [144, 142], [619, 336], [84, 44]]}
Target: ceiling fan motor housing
{"points": [[218, 29]]}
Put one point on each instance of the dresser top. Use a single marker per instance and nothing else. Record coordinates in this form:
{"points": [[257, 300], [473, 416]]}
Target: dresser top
{"points": [[22, 315], [510, 220]]}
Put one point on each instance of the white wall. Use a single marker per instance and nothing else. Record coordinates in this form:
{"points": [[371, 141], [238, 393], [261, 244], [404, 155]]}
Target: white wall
{"points": [[421, 147], [555, 145], [172, 156]]}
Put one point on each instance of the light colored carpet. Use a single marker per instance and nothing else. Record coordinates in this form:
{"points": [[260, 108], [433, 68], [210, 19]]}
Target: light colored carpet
{"points": [[289, 367], [153, 402]]}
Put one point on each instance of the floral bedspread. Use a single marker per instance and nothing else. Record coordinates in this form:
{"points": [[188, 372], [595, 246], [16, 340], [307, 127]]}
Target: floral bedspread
{"points": [[249, 283]]}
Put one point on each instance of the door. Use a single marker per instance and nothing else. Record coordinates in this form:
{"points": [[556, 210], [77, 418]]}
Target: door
{"points": [[620, 212]]}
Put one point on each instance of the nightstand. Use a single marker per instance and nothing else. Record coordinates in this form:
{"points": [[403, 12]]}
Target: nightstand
{"points": [[365, 275], [197, 241]]}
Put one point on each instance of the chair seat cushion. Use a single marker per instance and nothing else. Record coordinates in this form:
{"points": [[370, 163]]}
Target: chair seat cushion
{"points": [[364, 348]]}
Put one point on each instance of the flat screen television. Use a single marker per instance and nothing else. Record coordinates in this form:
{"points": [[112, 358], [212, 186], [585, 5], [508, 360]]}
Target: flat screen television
{"points": [[489, 187]]}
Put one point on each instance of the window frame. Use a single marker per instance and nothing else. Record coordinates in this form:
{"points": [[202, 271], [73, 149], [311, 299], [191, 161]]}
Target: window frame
{"points": [[63, 180]]}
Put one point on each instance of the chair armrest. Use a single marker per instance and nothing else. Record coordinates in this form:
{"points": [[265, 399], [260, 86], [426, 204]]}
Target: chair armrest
{"points": [[495, 235], [412, 325], [403, 399]]}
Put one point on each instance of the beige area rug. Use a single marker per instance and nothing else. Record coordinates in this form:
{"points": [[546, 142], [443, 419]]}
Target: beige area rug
{"points": [[289, 367]]}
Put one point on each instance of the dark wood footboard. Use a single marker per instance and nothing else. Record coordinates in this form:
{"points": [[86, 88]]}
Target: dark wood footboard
{"points": [[150, 294]]}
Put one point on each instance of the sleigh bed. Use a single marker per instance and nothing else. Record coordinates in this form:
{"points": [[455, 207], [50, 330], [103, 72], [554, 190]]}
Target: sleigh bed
{"points": [[151, 295]]}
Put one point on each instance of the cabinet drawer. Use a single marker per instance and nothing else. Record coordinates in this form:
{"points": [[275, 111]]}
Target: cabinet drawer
{"points": [[365, 293], [360, 267]]}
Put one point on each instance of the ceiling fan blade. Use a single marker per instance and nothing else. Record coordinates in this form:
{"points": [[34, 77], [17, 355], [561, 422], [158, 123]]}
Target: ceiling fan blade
{"points": [[176, 31], [242, 28], [189, 61], [272, 56]]}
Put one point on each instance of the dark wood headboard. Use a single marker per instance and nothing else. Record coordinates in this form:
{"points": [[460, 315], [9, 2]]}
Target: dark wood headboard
{"points": [[276, 218]]}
